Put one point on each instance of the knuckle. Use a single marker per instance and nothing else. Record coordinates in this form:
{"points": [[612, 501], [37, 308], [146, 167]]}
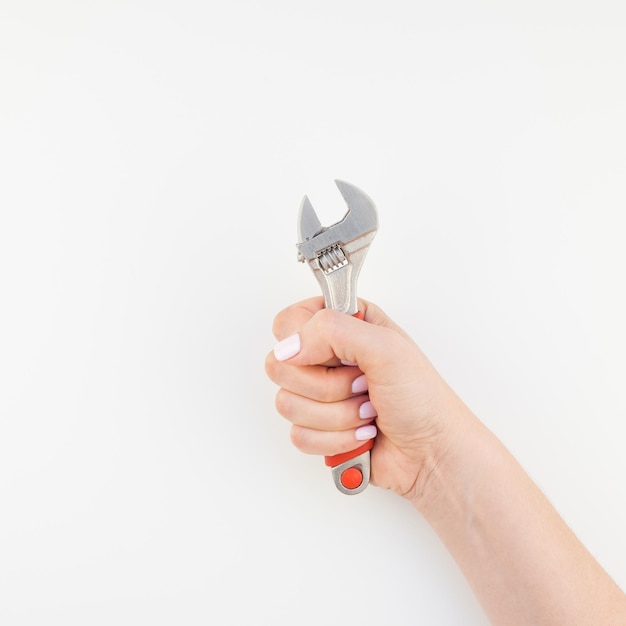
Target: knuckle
{"points": [[332, 387], [279, 324], [290, 319], [283, 403], [271, 367], [298, 437], [327, 318]]}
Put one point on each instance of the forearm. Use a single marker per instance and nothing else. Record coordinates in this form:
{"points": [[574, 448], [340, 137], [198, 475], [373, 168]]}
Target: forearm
{"points": [[525, 565]]}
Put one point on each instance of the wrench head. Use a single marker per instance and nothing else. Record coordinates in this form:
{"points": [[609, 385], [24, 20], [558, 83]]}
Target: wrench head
{"points": [[361, 219]]}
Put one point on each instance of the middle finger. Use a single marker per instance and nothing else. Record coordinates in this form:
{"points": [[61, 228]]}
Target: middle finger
{"points": [[330, 416]]}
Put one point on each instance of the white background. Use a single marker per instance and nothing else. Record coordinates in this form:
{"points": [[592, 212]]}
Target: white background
{"points": [[153, 156]]}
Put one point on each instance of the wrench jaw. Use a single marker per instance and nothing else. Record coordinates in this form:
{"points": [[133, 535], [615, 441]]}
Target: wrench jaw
{"points": [[308, 223], [361, 218], [362, 215]]}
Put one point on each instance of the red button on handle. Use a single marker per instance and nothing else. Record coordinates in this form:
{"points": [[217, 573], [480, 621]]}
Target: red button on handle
{"points": [[352, 478]]}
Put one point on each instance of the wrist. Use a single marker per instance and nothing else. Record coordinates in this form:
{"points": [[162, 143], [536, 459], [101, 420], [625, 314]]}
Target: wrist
{"points": [[447, 473]]}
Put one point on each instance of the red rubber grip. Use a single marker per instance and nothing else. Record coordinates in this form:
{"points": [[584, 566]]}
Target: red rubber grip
{"points": [[338, 459]]}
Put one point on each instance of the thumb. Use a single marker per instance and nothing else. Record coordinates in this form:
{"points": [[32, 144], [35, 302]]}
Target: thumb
{"points": [[329, 334]]}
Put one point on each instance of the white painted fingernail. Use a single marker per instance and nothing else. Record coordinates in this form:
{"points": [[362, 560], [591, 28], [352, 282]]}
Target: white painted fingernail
{"points": [[287, 348], [359, 385], [366, 432], [348, 363], [367, 411]]}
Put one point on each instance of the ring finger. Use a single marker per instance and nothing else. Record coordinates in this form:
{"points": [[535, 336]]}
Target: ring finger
{"points": [[332, 416]]}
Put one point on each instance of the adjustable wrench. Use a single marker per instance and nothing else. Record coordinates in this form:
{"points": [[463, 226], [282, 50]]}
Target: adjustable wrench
{"points": [[336, 254]]}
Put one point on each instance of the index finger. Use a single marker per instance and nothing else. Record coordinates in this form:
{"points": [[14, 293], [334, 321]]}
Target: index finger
{"points": [[292, 318]]}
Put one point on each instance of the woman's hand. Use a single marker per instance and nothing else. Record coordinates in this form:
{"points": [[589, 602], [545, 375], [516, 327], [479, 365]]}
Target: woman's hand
{"points": [[388, 390]]}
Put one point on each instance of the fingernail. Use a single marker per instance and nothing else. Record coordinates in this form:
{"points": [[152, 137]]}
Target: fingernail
{"points": [[367, 411], [359, 385], [366, 432], [287, 348], [348, 363]]}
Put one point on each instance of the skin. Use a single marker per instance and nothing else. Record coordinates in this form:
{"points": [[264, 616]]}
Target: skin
{"points": [[524, 564]]}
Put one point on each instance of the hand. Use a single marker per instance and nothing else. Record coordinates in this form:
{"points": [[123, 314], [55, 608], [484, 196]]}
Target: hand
{"points": [[416, 414]]}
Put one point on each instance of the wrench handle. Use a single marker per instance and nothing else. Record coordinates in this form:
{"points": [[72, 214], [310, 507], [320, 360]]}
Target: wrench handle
{"points": [[351, 470]]}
